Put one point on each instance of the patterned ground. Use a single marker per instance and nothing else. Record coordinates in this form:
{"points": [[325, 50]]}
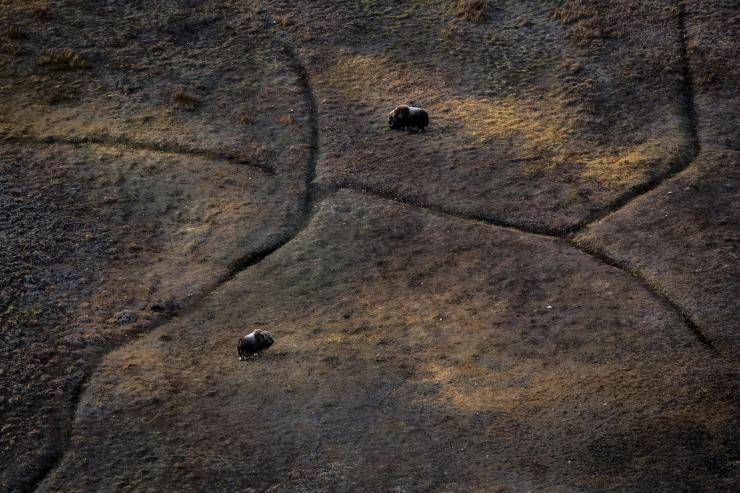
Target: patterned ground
{"points": [[538, 293]]}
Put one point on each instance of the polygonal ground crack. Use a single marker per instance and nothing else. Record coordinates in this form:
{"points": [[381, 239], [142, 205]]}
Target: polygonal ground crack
{"points": [[122, 142]]}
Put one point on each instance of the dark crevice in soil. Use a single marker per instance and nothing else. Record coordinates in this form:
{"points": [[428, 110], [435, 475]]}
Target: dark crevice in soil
{"points": [[313, 115], [122, 142], [535, 228], [307, 201], [686, 95], [597, 255], [54, 458], [687, 80], [656, 291]]}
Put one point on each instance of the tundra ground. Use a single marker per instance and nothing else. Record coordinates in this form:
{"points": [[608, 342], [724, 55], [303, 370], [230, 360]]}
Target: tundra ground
{"points": [[540, 292]]}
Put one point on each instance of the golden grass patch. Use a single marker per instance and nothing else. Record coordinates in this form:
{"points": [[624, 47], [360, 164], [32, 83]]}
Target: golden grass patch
{"points": [[283, 20], [185, 99], [62, 59], [471, 10], [245, 118], [336, 339], [287, 120], [39, 9]]}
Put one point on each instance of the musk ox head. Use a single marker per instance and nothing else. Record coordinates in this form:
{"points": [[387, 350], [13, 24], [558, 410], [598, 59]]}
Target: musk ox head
{"points": [[408, 116], [398, 117], [253, 343]]}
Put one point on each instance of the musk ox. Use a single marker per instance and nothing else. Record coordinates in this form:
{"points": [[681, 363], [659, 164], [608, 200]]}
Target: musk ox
{"points": [[253, 343], [408, 116]]}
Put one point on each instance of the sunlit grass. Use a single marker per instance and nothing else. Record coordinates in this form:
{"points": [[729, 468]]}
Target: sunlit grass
{"points": [[471, 10], [62, 59], [535, 131]]}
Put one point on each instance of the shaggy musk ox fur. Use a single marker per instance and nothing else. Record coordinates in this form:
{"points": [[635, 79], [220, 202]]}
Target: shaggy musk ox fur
{"points": [[253, 343], [408, 116]]}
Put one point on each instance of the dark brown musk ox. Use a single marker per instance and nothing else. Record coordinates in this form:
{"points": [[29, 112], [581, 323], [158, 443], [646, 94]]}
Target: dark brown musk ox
{"points": [[253, 343], [408, 117]]}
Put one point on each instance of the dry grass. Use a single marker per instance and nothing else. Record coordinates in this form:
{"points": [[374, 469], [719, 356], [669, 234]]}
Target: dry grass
{"points": [[283, 20], [287, 120], [245, 119], [336, 339], [56, 95], [10, 49], [707, 64], [471, 10], [583, 19], [184, 99], [62, 59], [40, 9], [15, 32], [575, 11]]}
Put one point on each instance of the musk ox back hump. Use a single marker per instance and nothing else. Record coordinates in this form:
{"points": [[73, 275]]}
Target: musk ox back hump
{"points": [[418, 117], [254, 342]]}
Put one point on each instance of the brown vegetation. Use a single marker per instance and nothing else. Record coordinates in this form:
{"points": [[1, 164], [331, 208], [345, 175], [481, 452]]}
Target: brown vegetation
{"points": [[62, 59], [587, 20], [283, 20], [15, 32], [245, 118], [185, 99], [56, 95], [39, 9], [10, 48], [287, 120], [471, 10]]}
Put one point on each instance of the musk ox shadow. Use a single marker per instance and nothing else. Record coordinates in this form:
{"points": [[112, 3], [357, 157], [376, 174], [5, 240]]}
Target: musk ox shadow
{"points": [[406, 117]]}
